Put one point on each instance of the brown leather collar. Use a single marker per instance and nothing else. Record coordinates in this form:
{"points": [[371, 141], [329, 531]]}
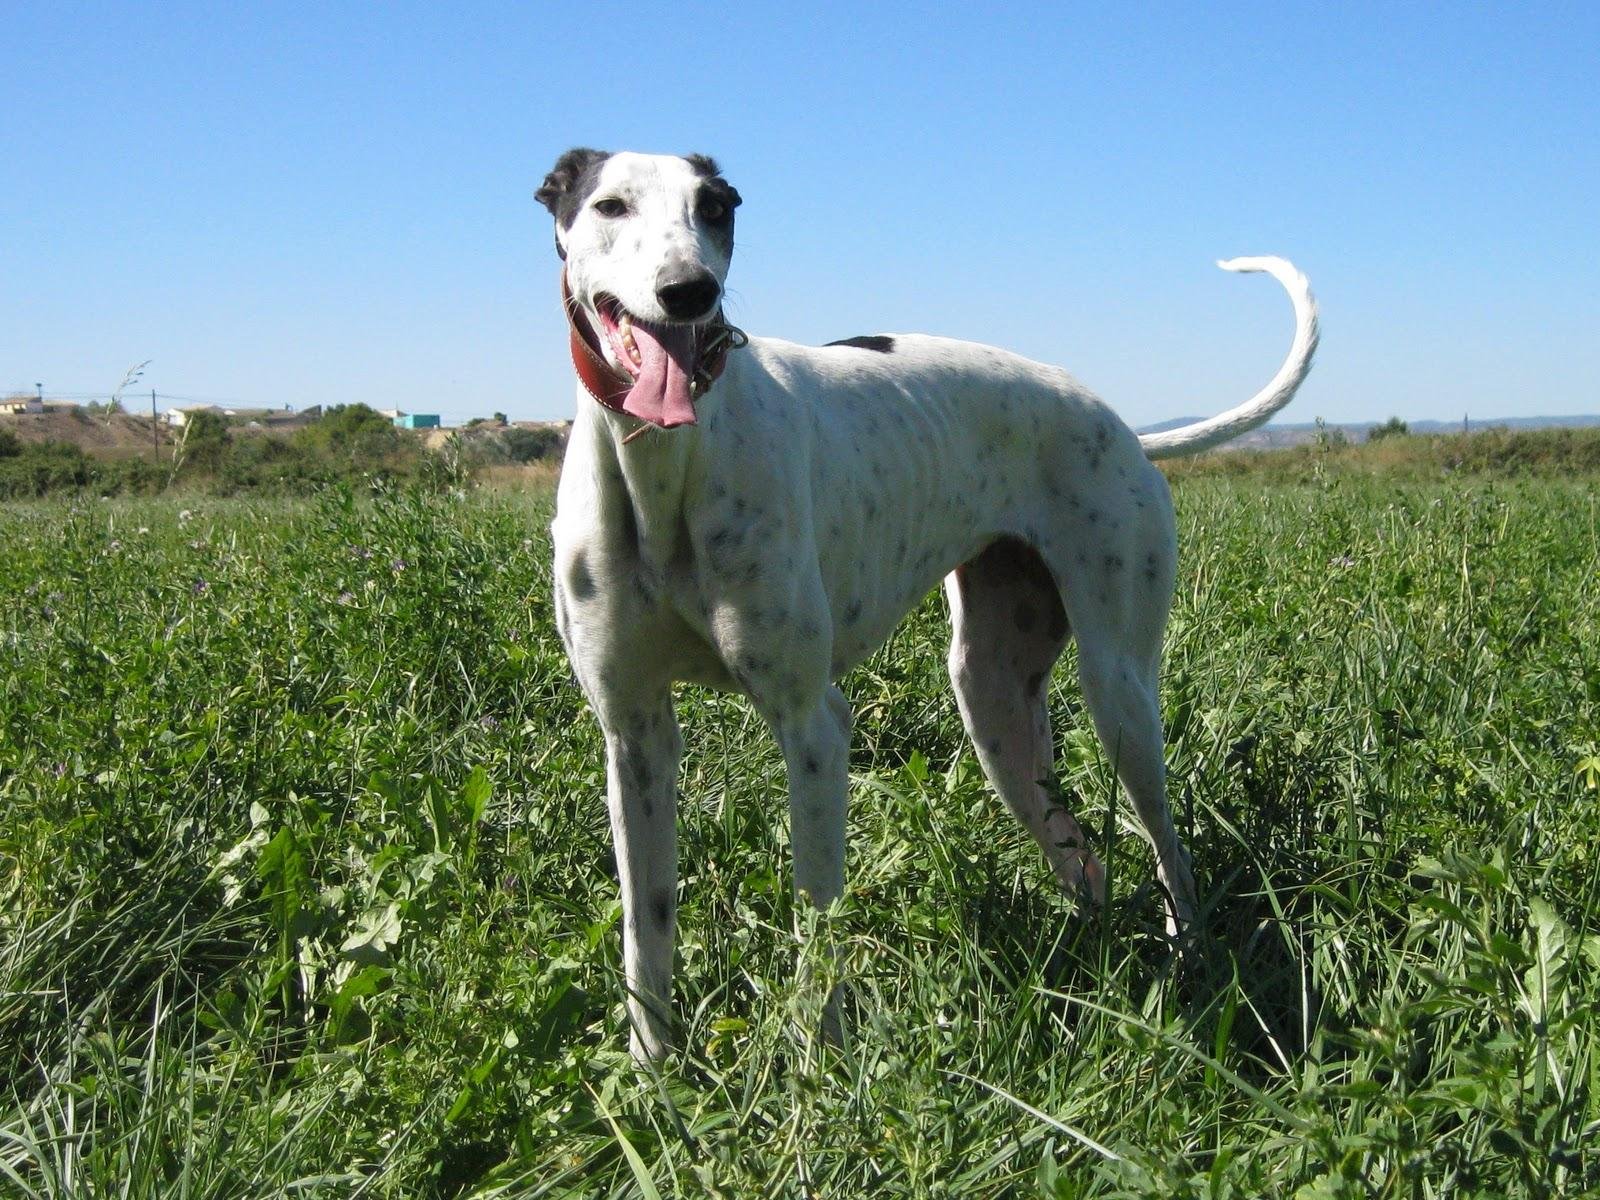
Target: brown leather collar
{"points": [[610, 386]]}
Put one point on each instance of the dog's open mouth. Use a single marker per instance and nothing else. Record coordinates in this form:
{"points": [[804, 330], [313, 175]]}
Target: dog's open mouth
{"points": [[660, 357]]}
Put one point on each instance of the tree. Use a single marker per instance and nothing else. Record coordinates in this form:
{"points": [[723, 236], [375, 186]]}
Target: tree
{"points": [[350, 433], [203, 441], [1393, 427]]}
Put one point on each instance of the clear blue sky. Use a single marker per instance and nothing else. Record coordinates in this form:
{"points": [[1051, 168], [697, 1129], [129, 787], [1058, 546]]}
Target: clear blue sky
{"points": [[321, 203]]}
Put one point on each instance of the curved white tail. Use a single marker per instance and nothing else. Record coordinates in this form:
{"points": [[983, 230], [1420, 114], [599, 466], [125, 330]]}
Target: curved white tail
{"points": [[1202, 435]]}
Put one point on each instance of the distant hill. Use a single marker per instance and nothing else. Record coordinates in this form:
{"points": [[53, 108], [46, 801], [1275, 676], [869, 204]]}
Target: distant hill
{"points": [[1276, 435]]}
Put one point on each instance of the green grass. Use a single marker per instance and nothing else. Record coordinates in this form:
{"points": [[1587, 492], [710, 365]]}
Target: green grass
{"points": [[306, 889]]}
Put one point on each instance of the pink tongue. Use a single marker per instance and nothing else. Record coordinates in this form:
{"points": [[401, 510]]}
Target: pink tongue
{"points": [[660, 393]]}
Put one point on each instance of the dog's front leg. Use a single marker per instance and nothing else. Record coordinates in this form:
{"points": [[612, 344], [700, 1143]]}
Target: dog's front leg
{"points": [[816, 752], [643, 747], [815, 740]]}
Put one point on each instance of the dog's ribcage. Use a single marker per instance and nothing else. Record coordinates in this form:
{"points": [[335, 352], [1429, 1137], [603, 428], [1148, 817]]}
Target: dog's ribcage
{"points": [[917, 459]]}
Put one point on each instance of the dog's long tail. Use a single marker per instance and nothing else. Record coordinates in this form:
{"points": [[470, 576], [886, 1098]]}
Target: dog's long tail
{"points": [[1202, 435]]}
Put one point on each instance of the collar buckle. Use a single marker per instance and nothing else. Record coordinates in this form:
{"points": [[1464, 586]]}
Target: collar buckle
{"points": [[724, 337]]}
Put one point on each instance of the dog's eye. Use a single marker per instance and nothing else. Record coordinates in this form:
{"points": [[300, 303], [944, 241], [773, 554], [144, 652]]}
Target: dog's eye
{"points": [[712, 209], [611, 207]]}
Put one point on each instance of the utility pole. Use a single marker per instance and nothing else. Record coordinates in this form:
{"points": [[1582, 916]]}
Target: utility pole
{"points": [[155, 430]]}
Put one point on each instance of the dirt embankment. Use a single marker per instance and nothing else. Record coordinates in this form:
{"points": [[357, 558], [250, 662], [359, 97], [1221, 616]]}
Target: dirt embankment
{"points": [[119, 435]]}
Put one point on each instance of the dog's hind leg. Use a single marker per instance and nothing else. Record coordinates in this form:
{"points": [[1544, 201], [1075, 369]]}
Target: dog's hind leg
{"points": [[1120, 690], [1008, 627], [643, 747], [1117, 600]]}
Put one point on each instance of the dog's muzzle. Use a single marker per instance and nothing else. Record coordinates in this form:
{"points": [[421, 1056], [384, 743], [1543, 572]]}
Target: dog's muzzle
{"points": [[668, 366]]}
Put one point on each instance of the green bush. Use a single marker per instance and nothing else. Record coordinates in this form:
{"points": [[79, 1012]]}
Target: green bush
{"points": [[42, 469], [205, 443], [348, 432], [1393, 427], [51, 467], [529, 445]]}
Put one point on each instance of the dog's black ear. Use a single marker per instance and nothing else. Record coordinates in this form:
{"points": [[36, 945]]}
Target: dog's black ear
{"points": [[706, 166], [562, 188]]}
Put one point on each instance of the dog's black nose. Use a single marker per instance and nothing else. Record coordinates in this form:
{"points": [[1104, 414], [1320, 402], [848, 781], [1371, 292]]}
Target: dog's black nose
{"points": [[687, 294]]}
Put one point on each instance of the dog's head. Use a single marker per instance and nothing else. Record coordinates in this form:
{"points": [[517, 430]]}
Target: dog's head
{"points": [[647, 241]]}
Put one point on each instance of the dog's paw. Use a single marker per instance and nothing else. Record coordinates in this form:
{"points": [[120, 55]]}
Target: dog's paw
{"points": [[1080, 874]]}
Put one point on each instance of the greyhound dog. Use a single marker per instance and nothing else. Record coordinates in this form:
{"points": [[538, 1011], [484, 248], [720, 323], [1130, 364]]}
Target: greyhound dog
{"points": [[755, 515]]}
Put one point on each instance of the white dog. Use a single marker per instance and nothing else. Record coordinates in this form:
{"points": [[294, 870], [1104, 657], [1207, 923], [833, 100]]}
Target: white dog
{"points": [[789, 504]]}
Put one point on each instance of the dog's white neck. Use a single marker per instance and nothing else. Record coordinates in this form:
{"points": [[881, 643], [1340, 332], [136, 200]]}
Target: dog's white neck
{"points": [[639, 480]]}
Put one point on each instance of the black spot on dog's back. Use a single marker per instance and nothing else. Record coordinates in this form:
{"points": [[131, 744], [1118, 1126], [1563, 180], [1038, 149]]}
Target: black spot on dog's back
{"points": [[877, 342]]}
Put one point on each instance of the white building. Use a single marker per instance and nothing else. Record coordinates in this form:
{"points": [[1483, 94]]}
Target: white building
{"points": [[179, 417]]}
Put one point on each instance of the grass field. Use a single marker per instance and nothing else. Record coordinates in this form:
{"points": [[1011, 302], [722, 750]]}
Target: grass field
{"points": [[305, 884]]}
